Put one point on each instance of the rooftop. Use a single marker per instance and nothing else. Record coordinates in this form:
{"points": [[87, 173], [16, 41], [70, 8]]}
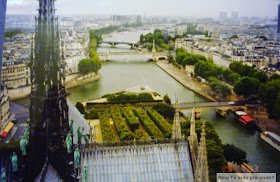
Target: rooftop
{"points": [[153, 163]]}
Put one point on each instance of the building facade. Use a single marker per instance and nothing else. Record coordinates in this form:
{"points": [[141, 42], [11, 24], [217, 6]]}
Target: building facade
{"points": [[4, 109], [15, 74]]}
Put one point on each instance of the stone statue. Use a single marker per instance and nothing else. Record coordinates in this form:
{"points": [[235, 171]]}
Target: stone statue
{"points": [[23, 143], [71, 127], [14, 160], [86, 138], [69, 142], [80, 134], [77, 156], [26, 135], [3, 175], [85, 172]]}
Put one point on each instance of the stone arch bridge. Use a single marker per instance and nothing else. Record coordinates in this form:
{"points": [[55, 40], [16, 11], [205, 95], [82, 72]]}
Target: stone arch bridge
{"points": [[105, 56], [113, 43]]}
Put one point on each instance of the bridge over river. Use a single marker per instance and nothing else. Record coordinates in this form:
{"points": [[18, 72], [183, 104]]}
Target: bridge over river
{"points": [[113, 43], [190, 105], [105, 56]]}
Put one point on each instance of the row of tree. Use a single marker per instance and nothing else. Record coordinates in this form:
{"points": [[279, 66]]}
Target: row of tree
{"points": [[105, 30], [160, 41], [93, 64], [12, 33], [246, 80], [184, 58]]}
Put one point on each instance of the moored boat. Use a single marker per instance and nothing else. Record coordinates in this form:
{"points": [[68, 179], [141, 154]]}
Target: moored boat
{"points": [[246, 120], [272, 138], [221, 112]]}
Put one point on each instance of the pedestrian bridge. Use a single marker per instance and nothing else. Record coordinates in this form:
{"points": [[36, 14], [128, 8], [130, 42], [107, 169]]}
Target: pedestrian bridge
{"points": [[113, 43], [190, 105]]}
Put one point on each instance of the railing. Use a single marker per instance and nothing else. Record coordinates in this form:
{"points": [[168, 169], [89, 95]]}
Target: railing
{"points": [[85, 147], [212, 104]]}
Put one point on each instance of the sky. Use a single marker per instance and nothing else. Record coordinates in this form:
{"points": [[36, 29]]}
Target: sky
{"points": [[187, 8]]}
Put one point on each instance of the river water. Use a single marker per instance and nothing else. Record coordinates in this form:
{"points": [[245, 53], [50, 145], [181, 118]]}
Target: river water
{"points": [[124, 73]]}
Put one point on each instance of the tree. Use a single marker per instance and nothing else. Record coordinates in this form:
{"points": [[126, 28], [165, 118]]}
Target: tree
{"points": [[275, 76], [269, 94], [12, 33], [262, 37], [246, 86], [165, 110], [234, 154], [145, 97], [95, 64], [277, 107], [157, 31], [80, 107], [234, 37], [166, 99], [220, 87], [261, 76], [170, 58], [141, 38], [233, 78], [85, 66]]}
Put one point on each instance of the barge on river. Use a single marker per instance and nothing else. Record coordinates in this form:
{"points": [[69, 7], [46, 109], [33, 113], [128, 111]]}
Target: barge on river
{"points": [[271, 138]]}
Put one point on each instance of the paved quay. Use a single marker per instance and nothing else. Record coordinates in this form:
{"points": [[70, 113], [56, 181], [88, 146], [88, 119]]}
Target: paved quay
{"points": [[182, 77]]}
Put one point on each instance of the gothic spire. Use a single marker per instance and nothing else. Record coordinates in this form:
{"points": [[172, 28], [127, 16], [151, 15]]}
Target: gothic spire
{"points": [[201, 172]]}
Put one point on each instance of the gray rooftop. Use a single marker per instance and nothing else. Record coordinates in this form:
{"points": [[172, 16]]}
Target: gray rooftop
{"points": [[153, 163]]}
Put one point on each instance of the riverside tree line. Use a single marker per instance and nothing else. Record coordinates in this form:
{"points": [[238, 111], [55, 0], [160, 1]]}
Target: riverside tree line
{"points": [[246, 80]]}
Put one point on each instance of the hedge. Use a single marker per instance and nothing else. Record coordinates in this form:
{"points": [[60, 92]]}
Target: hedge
{"points": [[93, 113], [141, 135], [132, 121], [108, 134], [118, 121], [161, 123], [148, 124]]}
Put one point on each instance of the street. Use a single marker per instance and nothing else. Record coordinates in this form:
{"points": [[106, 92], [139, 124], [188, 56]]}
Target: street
{"points": [[21, 113]]}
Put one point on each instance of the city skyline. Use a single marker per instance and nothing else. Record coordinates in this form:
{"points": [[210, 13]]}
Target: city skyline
{"points": [[263, 8]]}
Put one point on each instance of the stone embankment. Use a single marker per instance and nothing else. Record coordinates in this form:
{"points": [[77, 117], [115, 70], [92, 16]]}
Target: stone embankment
{"points": [[261, 118], [73, 80], [188, 82]]}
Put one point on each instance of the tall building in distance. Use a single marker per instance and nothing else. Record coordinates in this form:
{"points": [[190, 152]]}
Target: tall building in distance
{"points": [[278, 21], [138, 19], [3, 7], [222, 15], [234, 15]]}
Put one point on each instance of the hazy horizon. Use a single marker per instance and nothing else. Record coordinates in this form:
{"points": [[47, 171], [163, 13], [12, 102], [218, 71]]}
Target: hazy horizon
{"points": [[182, 8]]}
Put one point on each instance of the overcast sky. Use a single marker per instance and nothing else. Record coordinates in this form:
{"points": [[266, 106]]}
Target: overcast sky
{"points": [[196, 8]]}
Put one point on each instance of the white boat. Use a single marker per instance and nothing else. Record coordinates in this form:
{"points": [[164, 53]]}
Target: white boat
{"points": [[271, 138], [241, 113]]}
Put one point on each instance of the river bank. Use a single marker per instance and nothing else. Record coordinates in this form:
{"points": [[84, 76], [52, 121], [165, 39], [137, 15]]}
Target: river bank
{"points": [[188, 82], [261, 118], [71, 81]]}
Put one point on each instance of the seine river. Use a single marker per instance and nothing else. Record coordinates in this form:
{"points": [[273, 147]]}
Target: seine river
{"points": [[127, 72]]}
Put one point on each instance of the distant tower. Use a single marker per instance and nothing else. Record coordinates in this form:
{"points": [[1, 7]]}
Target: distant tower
{"points": [[234, 15], [48, 107], [3, 7], [201, 172], [222, 15], [278, 21]]}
